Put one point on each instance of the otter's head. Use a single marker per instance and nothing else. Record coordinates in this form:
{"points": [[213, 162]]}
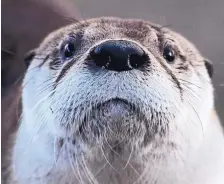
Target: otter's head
{"points": [[110, 79]]}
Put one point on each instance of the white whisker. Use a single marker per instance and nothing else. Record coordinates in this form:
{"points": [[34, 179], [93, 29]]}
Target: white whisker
{"points": [[129, 158], [101, 147]]}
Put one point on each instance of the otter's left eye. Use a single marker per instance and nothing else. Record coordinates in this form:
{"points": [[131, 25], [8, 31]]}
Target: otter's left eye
{"points": [[169, 53], [68, 50]]}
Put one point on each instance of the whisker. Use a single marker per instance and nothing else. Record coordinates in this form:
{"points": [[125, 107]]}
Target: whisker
{"points": [[89, 174], [101, 147], [8, 51], [79, 178], [191, 83], [110, 146], [129, 158], [197, 116], [101, 169], [134, 169]]}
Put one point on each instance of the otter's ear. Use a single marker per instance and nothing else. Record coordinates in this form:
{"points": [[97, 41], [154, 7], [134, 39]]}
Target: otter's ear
{"points": [[209, 67], [29, 57]]}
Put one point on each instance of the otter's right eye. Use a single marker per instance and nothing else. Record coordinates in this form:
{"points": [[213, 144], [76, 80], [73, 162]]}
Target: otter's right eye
{"points": [[68, 50], [169, 53]]}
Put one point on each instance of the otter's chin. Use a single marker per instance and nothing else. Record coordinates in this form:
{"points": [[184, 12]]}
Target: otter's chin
{"points": [[115, 120], [116, 109]]}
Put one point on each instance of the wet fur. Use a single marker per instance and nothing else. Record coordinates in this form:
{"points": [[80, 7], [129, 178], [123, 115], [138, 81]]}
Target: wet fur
{"points": [[84, 124]]}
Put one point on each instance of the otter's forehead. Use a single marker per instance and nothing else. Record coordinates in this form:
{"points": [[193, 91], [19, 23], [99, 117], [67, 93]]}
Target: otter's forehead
{"points": [[98, 29], [104, 28], [134, 29]]}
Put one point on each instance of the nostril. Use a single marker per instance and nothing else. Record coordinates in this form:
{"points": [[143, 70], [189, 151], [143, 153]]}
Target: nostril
{"points": [[137, 60], [118, 55], [100, 57]]}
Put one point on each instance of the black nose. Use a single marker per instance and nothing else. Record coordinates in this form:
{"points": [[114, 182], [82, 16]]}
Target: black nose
{"points": [[118, 55]]}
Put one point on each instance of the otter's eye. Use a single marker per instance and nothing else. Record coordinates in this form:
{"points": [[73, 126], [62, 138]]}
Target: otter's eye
{"points": [[169, 53], [68, 50]]}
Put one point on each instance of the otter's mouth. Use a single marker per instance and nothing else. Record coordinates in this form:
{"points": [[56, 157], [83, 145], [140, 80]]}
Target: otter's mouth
{"points": [[117, 102], [120, 115], [116, 108]]}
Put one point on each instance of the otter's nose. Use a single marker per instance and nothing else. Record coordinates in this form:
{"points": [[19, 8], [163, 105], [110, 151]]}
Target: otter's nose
{"points": [[118, 55]]}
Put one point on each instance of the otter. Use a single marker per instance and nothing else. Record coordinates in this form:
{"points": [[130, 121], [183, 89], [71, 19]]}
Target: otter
{"points": [[117, 101]]}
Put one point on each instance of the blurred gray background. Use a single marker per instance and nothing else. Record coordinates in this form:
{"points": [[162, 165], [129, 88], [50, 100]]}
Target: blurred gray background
{"points": [[26, 22]]}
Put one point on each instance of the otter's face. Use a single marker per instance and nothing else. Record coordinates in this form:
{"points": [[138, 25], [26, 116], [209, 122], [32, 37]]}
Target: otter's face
{"points": [[118, 80]]}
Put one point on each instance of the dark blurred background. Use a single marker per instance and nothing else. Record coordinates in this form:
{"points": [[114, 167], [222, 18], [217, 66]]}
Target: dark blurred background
{"points": [[26, 22]]}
